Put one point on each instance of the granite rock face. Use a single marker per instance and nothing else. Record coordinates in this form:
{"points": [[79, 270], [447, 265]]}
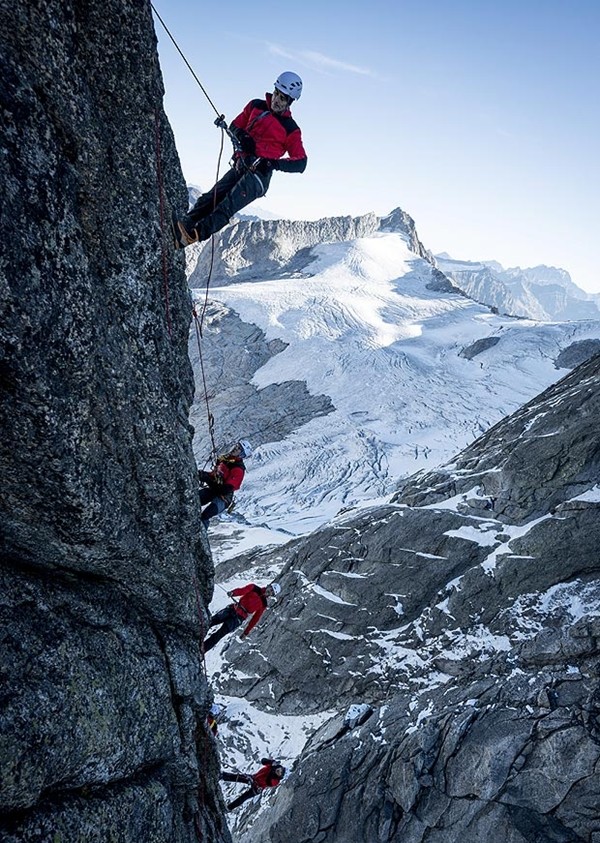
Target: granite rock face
{"points": [[467, 613], [105, 571]]}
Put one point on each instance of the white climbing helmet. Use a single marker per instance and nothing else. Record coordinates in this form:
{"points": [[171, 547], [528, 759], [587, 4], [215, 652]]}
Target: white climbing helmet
{"points": [[276, 588], [289, 83], [246, 448]]}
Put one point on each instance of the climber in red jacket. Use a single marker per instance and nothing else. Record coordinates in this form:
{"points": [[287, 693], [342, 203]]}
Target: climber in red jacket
{"points": [[225, 479], [270, 775], [251, 604], [266, 138]]}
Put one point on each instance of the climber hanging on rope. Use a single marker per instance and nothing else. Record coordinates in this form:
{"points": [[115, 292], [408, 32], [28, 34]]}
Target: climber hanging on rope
{"points": [[215, 714], [224, 479], [252, 603], [262, 135], [269, 775]]}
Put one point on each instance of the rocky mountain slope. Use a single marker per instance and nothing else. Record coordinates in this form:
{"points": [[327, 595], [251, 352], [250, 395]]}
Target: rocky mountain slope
{"points": [[105, 572], [466, 611], [542, 292]]}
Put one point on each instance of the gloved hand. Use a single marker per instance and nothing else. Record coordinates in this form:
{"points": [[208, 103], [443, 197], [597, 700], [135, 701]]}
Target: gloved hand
{"points": [[242, 141], [247, 143], [205, 477], [221, 123]]}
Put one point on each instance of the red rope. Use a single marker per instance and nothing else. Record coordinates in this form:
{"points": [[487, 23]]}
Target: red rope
{"points": [[165, 269]]}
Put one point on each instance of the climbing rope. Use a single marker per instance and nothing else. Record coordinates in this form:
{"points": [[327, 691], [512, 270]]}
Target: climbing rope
{"points": [[189, 66], [198, 325], [209, 415], [199, 321], [201, 799]]}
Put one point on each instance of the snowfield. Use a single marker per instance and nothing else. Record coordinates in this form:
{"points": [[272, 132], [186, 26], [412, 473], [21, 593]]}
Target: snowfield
{"points": [[364, 327]]}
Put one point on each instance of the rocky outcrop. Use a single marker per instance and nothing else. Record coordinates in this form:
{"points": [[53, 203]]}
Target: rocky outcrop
{"points": [[530, 463], [479, 346], [401, 222], [232, 351], [577, 353], [105, 572], [260, 249], [467, 613]]}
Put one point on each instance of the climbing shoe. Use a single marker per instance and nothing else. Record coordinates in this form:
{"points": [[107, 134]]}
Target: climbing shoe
{"points": [[182, 237], [187, 237], [177, 241]]}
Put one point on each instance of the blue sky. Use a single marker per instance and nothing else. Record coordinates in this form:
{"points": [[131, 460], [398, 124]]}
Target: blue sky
{"points": [[480, 119]]}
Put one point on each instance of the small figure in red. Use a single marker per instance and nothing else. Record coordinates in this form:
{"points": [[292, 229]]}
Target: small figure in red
{"points": [[225, 479], [251, 604], [269, 775]]}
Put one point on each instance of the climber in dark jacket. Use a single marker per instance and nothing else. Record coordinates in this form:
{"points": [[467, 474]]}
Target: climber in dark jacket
{"points": [[225, 479], [269, 775], [264, 133], [252, 604]]}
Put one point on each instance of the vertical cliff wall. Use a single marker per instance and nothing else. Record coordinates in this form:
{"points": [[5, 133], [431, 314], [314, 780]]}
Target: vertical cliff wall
{"points": [[105, 574]]}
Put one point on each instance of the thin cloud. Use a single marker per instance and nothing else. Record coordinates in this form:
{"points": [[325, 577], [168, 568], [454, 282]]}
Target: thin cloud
{"points": [[325, 61], [320, 62]]}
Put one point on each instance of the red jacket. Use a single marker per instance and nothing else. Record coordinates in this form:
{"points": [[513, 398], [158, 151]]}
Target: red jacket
{"points": [[265, 777], [231, 473], [274, 135], [253, 601]]}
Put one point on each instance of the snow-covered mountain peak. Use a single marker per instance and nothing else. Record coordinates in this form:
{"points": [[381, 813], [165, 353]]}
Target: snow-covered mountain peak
{"points": [[402, 371], [250, 249], [542, 292]]}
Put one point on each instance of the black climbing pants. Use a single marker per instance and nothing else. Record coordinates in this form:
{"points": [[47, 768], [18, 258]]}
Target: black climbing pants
{"points": [[214, 209], [217, 503], [229, 620], [247, 794]]}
